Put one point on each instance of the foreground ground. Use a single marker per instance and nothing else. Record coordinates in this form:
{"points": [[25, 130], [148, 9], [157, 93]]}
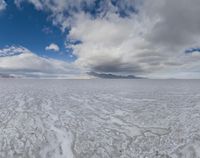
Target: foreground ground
{"points": [[99, 118]]}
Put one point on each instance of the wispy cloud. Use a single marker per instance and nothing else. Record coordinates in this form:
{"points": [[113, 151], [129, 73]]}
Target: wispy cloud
{"points": [[47, 30], [2, 5]]}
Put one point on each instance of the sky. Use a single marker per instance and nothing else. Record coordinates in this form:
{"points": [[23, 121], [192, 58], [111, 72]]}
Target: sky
{"points": [[78, 38]]}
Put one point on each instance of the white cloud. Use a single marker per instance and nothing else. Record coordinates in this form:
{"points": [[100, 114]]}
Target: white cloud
{"points": [[149, 43], [22, 62], [53, 47], [2, 5], [12, 50]]}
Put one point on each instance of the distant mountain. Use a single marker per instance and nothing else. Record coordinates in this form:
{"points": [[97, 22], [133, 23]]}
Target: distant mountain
{"points": [[6, 76], [112, 76]]}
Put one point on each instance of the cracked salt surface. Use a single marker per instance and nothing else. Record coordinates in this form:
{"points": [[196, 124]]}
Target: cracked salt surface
{"points": [[99, 118]]}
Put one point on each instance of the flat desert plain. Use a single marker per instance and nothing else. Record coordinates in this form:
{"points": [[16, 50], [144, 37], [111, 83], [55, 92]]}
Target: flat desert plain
{"points": [[99, 118]]}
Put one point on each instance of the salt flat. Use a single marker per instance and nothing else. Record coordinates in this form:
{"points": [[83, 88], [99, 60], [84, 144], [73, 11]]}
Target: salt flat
{"points": [[99, 118]]}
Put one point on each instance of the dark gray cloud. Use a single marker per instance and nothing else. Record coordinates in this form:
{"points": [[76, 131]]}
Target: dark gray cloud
{"points": [[179, 23], [115, 66]]}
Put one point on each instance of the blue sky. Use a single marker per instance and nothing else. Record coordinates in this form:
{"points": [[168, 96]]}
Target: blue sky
{"points": [[78, 38], [31, 28]]}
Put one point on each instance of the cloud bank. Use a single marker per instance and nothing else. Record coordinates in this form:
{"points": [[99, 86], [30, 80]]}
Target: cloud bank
{"points": [[21, 62]]}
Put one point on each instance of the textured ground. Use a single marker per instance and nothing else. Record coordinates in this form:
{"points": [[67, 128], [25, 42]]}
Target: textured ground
{"points": [[99, 118]]}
